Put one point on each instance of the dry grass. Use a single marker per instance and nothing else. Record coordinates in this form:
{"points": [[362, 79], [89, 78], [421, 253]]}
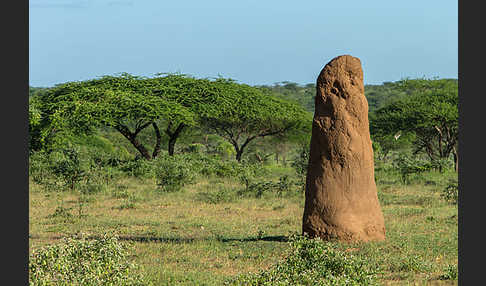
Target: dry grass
{"points": [[180, 239]]}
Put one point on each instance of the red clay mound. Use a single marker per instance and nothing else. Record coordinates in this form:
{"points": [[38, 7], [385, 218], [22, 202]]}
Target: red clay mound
{"points": [[341, 197]]}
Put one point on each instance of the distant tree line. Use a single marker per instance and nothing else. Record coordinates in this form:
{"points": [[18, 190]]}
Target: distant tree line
{"points": [[167, 103], [420, 115]]}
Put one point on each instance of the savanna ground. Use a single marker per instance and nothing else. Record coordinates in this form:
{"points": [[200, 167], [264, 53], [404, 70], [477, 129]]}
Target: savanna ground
{"points": [[205, 234]]}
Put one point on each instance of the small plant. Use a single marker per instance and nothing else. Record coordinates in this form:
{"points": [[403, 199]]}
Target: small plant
{"points": [[223, 195], [408, 166], [260, 234], [300, 164], [91, 188], [82, 261], [138, 168], [283, 185], [127, 204], [415, 264], [172, 174], [312, 262], [451, 192], [69, 167], [257, 189], [450, 272], [61, 212], [129, 200]]}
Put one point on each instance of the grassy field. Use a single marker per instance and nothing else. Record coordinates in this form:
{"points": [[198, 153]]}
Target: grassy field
{"points": [[206, 234]]}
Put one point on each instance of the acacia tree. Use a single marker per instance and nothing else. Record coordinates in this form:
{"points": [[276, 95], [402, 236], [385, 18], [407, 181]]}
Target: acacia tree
{"points": [[196, 95], [126, 103], [241, 114], [430, 112]]}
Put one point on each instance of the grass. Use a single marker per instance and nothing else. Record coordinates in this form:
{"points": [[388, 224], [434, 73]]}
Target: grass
{"points": [[205, 234]]}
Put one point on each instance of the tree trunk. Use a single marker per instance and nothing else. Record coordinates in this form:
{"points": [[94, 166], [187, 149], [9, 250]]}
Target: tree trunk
{"points": [[132, 137], [140, 148], [456, 160], [172, 141], [158, 141], [238, 155], [239, 150], [173, 136]]}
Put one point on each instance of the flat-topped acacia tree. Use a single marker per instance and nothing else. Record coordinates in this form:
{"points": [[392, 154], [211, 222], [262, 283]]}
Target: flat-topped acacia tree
{"points": [[127, 103], [242, 113], [195, 95], [239, 113]]}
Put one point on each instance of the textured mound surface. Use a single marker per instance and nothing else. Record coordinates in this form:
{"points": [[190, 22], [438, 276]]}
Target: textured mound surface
{"points": [[341, 197]]}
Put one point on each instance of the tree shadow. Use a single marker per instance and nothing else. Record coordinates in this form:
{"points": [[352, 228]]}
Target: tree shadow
{"points": [[181, 240], [277, 238]]}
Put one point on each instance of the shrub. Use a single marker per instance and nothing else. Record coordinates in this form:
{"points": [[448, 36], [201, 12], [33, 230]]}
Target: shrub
{"points": [[39, 169], [450, 272], [63, 213], [57, 170], [300, 163], [451, 192], [79, 261], [408, 165], [312, 262], [69, 167], [172, 173], [257, 189], [414, 263], [194, 148], [138, 168], [90, 188], [222, 195]]}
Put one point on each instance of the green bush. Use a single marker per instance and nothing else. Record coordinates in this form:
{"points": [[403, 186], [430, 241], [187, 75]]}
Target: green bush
{"points": [[313, 262], [300, 163], [39, 169], [58, 170], [450, 272], [222, 195], [194, 148], [257, 189], [451, 192], [90, 188], [408, 165], [79, 261], [173, 172], [138, 168]]}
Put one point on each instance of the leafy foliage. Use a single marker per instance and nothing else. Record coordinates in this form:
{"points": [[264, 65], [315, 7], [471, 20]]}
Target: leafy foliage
{"points": [[313, 262], [82, 261], [257, 189], [429, 111], [69, 167], [245, 113], [35, 119], [451, 192], [300, 164], [450, 272], [172, 173], [408, 165], [125, 102]]}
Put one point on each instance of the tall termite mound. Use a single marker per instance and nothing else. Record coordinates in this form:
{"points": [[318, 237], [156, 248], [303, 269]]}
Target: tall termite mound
{"points": [[341, 199]]}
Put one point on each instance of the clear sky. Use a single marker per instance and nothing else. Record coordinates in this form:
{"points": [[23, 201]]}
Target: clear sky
{"points": [[253, 42]]}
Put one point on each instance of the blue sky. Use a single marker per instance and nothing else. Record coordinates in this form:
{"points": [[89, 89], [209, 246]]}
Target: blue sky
{"points": [[254, 42]]}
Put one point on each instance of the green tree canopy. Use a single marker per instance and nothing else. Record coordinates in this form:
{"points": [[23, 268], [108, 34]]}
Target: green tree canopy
{"points": [[241, 114], [126, 103], [430, 111]]}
